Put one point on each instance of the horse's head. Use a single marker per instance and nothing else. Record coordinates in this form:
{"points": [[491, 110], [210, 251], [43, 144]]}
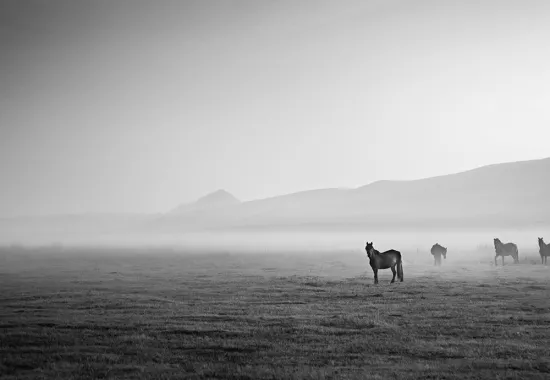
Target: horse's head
{"points": [[370, 249], [497, 242], [541, 242]]}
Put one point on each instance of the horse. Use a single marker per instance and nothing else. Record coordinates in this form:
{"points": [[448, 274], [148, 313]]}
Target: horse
{"points": [[389, 259], [508, 249], [437, 251], [544, 250]]}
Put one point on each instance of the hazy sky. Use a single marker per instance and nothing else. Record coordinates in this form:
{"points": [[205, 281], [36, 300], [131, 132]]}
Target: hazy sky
{"points": [[117, 106]]}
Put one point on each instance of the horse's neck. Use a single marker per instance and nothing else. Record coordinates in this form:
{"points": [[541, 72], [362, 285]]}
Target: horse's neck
{"points": [[376, 252]]}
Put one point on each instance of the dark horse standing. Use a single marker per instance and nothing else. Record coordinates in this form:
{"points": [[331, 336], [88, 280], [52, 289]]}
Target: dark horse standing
{"points": [[438, 251], [508, 249], [389, 259], [544, 250]]}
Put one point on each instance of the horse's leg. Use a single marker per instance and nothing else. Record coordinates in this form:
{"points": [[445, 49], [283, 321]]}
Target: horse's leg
{"points": [[502, 260], [496, 260], [375, 276], [394, 273]]}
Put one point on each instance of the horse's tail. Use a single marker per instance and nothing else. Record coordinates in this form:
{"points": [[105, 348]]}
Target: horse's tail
{"points": [[400, 267]]}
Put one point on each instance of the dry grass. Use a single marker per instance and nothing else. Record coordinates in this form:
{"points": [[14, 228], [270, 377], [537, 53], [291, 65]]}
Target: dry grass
{"points": [[124, 314]]}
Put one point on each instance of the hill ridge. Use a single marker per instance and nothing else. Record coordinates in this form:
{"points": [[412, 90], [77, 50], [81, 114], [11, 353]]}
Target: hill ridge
{"points": [[513, 192]]}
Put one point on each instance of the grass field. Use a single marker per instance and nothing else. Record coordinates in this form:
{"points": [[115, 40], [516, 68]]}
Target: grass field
{"points": [[83, 313]]}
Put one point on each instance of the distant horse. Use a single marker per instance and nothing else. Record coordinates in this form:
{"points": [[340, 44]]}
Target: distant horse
{"points": [[544, 250], [438, 251], [389, 259], [508, 249]]}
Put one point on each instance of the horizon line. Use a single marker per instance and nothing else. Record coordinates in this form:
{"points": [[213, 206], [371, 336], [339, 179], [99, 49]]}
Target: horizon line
{"points": [[136, 213]]}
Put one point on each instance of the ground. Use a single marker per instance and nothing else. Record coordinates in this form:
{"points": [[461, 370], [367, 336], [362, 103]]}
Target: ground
{"points": [[76, 314]]}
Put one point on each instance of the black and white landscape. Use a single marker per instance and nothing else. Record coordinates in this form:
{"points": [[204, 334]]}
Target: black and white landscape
{"points": [[209, 189], [465, 208]]}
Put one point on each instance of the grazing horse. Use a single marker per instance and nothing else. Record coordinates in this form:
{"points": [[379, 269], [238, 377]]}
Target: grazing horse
{"points": [[508, 249], [389, 259], [438, 251], [544, 250]]}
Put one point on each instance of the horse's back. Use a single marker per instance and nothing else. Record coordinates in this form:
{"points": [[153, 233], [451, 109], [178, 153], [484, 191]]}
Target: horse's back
{"points": [[508, 249], [437, 249], [392, 251]]}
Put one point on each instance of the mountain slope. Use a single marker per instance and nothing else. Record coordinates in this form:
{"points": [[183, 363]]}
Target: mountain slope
{"points": [[219, 198], [503, 194]]}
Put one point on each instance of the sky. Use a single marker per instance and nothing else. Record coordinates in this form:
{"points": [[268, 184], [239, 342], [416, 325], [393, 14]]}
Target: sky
{"points": [[138, 106]]}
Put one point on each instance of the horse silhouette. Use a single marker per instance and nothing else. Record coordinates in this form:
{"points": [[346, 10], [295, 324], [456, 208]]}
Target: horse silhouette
{"points": [[508, 249], [386, 260], [544, 250], [438, 251]]}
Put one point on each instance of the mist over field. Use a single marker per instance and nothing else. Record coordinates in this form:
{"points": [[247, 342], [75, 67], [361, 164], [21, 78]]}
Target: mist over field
{"points": [[266, 239], [283, 288], [187, 189], [463, 211]]}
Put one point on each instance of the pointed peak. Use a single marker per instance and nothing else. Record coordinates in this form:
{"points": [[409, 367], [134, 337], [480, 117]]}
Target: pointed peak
{"points": [[218, 197], [214, 199]]}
